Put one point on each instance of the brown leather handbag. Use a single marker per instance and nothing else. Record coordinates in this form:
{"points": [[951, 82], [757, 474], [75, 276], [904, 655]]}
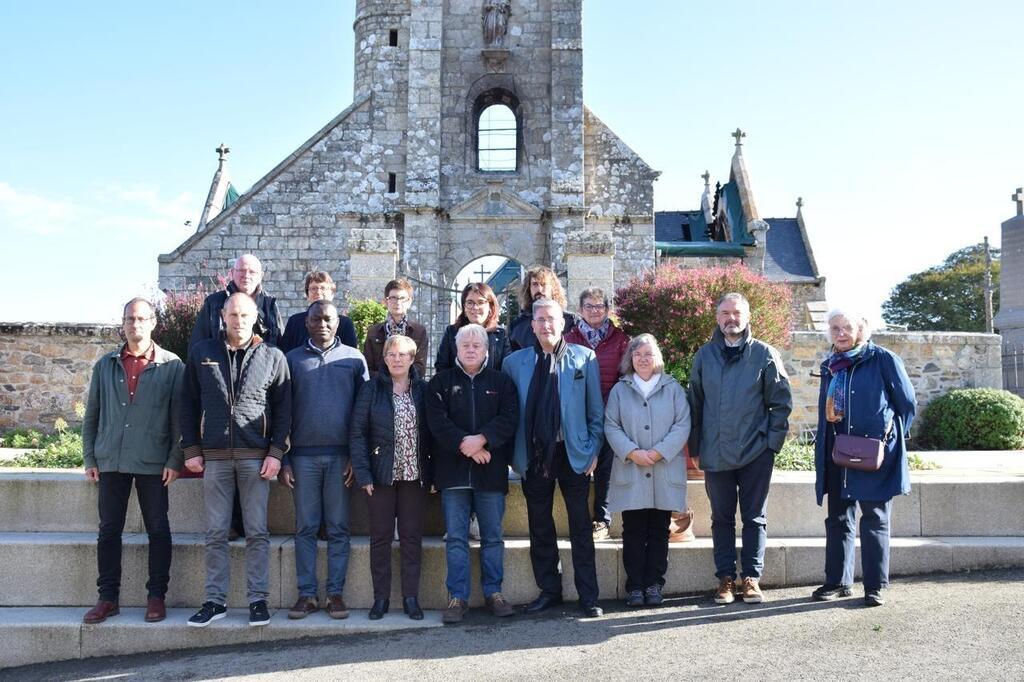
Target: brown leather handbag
{"points": [[858, 452]]}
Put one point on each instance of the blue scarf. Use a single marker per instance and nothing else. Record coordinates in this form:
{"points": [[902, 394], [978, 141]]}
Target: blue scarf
{"points": [[835, 398]]}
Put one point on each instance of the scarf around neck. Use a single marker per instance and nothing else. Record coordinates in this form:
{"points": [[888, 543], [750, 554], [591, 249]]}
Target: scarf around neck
{"points": [[391, 328], [835, 398], [543, 410], [594, 336]]}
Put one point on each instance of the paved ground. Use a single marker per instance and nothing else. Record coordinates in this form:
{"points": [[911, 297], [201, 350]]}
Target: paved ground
{"points": [[963, 626]]}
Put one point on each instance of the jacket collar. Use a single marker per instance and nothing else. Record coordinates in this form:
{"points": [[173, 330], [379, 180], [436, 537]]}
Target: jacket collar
{"points": [[160, 355], [663, 379], [718, 338]]}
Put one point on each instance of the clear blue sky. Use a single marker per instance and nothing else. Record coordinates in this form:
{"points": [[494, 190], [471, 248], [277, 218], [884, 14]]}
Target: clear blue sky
{"points": [[899, 124]]}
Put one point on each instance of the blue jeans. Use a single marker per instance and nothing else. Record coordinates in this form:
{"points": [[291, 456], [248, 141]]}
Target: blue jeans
{"points": [[840, 537], [750, 485], [320, 495], [490, 511]]}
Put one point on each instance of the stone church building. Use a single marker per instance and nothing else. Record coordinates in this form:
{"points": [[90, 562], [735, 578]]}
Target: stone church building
{"points": [[467, 136]]}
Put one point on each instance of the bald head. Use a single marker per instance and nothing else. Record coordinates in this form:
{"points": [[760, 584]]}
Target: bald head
{"points": [[247, 273], [239, 315]]}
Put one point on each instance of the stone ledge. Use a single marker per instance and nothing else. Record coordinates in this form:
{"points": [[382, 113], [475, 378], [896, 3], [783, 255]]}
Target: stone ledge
{"points": [[84, 329]]}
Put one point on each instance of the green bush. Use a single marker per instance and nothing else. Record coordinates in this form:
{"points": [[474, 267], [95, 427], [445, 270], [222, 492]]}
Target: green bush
{"points": [[365, 313], [63, 450], [24, 438], [974, 419]]}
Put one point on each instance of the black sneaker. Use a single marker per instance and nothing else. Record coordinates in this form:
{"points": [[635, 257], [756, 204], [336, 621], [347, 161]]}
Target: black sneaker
{"points": [[209, 612], [635, 598], [258, 613], [873, 598], [831, 592], [653, 596]]}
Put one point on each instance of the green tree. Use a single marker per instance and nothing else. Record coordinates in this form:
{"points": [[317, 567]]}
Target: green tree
{"points": [[947, 297]]}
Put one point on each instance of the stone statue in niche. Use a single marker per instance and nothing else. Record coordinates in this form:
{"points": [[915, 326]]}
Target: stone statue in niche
{"points": [[496, 13]]}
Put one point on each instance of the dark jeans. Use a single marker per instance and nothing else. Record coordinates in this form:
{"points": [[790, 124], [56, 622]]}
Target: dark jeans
{"points": [[320, 496], [490, 510], [115, 489], [405, 501], [540, 496], [645, 547], [602, 478], [840, 547], [750, 484]]}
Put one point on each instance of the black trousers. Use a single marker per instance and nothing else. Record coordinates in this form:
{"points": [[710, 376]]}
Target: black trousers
{"points": [[645, 547], [115, 489], [540, 496], [404, 502], [602, 479]]}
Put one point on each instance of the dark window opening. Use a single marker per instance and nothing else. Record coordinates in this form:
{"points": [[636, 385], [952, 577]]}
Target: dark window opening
{"points": [[392, 183], [686, 232], [393, 37]]}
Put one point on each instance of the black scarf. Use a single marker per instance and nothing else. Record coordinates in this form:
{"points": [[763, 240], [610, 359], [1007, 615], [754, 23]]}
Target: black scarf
{"points": [[543, 410]]}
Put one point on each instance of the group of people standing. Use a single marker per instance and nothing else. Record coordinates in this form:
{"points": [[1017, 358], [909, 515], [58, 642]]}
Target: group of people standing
{"points": [[558, 399]]}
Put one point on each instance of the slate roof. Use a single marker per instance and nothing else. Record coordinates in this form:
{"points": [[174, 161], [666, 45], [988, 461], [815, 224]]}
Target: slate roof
{"points": [[786, 260]]}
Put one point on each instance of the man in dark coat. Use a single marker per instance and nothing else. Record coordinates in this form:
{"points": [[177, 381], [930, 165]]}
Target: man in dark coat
{"points": [[740, 402], [540, 283], [247, 278], [473, 412]]}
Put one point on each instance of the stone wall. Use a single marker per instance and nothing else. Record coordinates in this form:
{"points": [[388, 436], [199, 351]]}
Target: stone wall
{"points": [[46, 370], [937, 362]]}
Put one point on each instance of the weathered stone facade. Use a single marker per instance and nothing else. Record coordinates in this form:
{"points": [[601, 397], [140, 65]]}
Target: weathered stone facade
{"points": [[579, 199], [46, 370], [937, 362], [1010, 318]]}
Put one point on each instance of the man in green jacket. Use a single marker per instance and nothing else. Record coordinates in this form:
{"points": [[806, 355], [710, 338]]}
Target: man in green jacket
{"points": [[740, 402], [130, 434]]}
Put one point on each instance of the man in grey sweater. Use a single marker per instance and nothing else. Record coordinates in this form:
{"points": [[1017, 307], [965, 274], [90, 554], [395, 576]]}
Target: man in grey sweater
{"points": [[740, 403], [326, 375]]}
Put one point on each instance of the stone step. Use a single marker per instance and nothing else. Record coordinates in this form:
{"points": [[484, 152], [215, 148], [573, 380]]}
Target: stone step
{"points": [[37, 635], [937, 505], [59, 569]]}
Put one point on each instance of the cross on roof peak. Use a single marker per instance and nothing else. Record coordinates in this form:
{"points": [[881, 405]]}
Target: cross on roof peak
{"points": [[1018, 197], [222, 152], [739, 135], [707, 178], [799, 202]]}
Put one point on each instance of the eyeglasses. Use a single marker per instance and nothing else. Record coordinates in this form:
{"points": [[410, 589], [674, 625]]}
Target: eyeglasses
{"points": [[247, 271], [398, 299], [643, 356], [476, 304], [594, 307], [396, 356], [322, 288], [129, 320]]}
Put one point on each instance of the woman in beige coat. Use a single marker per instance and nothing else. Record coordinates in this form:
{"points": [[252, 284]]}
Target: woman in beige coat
{"points": [[647, 422]]}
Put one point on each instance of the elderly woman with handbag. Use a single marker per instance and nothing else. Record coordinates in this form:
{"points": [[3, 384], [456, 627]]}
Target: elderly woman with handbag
{"points": [[390, 448], [865, 407], [647, 423]]}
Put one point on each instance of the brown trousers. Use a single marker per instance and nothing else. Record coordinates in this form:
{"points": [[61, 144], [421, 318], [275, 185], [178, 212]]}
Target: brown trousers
{"points": [[405, 501]]}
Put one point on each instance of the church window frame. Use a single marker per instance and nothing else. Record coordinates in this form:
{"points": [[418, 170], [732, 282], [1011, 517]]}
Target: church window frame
{"points": [[492, 145]]}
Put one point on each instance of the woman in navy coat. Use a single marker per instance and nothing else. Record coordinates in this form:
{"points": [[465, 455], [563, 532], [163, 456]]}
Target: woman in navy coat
{"points": [[865, 391]]}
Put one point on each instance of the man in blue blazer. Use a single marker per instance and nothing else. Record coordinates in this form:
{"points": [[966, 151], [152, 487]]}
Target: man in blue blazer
{"points": [[559, 435]]}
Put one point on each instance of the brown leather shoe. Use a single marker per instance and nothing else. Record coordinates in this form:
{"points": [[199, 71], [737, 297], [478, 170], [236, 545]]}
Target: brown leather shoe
{"points": [[303, 607], [104, 609], [751, 591], [455, 612], [498, 606], [726, 592], [156, 610], [336, 607]]}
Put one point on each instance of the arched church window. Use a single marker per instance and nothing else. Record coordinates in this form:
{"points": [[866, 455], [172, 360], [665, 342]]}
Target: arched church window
{"points": [[497, 139]]}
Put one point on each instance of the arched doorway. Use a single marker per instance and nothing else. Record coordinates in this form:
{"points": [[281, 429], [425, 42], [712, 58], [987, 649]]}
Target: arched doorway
{"points": [[501, 273]]}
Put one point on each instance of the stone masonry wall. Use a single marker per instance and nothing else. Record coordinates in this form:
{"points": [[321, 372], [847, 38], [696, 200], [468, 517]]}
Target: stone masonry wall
{"points": [[937, 362], [45, 370]]}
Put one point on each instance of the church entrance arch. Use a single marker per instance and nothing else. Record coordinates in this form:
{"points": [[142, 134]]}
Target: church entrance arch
{"points": [[501, 273]]}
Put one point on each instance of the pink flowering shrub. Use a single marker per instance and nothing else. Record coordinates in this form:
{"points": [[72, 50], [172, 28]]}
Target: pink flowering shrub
{"points": [[677, 306]]}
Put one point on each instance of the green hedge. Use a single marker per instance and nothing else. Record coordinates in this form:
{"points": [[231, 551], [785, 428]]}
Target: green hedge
{"points": [[974, 419]]}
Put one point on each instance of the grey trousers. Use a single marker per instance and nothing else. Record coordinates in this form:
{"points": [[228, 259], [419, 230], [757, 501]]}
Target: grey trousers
{"points": [[219, 482]]}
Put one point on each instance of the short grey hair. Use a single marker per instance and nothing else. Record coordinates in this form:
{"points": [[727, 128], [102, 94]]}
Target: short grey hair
{"points": [[626, 365], [733, 296], [595, 292], [471, 330], [862, 328], [139, 299], [545, 303]]}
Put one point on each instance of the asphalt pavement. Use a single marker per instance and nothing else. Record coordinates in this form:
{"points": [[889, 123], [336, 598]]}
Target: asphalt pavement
{"points": [[961, 626]]}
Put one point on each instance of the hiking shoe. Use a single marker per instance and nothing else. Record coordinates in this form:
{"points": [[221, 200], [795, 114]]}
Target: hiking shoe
{"points": [[455, 612], [831, 592], [873, 598], [498, 606], [751, 591], [601, 530], [336, 607], [258, 613], [635, 598], [726, 592], [653, 596], [209, 612], [303, 607]]}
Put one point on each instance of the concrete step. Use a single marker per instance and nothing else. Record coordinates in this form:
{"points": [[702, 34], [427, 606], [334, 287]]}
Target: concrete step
{"points": [[59, 569], [983, 505], [38, 635]]}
